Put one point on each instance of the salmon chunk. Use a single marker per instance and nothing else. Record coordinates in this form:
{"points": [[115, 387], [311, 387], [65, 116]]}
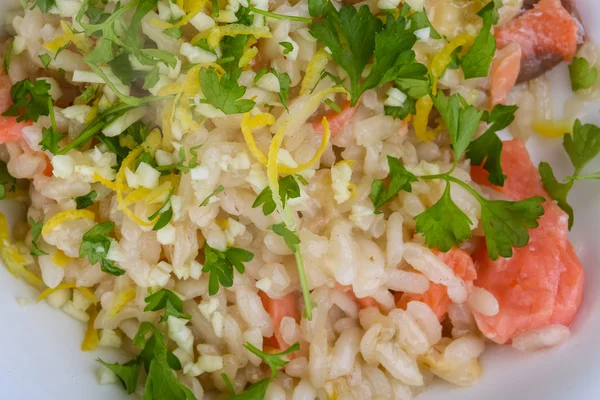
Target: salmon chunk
{"points": [[542, 283]]}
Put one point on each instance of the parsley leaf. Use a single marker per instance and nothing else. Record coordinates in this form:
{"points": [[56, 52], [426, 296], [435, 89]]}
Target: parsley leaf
{"points": [[276, 362], [86, 200], [164, 213], [45, 59], [290, 237], [412, 80], [408, 108], [444, 224], [7, 56], [36, 231], [167, 300], [462, 121], [159, 363], [216, 192], [7, 181], [225, 94], [487, 149], [95, 245], [219, 264], [288, 189], [362, 36], [127, 373], [284, 86], [287, 47], [50, 136], [505, 223], [557, 190], [583, 145], [45, 5], [30, 100], [476, 63], [582, 75], [400, 179]]}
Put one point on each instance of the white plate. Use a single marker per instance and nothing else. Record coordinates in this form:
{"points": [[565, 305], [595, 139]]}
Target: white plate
{"points": [[41, 357]]}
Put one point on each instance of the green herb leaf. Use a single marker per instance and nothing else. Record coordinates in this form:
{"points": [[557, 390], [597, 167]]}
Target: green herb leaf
{"points": [[505, 223], [45, 5], [288, 189], [408, 108], [412, 80], [558, 191], [7, 181], [487, 149], [151, 79], [220, 265], [462, 121], [7, 56], [86, 200], [45, 59], [476, 63], [226, 94], [36, 231], [284, 86], [400, 179], [444, 225], [127, 373], [419, 20], [50, 136], [164, 213], [216, 192], [274, 361], [583, 145], [88, 94], [167, 300], [582, 75], [287, 47], [95, 245], [122, 68], [175, 33], [290, 237], [30, 100]]}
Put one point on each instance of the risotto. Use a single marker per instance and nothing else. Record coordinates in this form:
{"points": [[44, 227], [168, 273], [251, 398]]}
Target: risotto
{"points": [[294, 200]]}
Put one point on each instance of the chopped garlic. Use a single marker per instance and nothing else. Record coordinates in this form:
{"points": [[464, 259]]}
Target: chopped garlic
{"points": [[105, 376], [200, 173], [180, 333], [210, 363], [264, 284], [197, 55], [166, 235], [202, 22], [183, 356], [362, 216], [159, 275], [257, 177], [70, 309], [109, 338], [226, 16], [59, 298], [395, 98], [233, 230], [217, 324], [147, 176], [423, 33], [77, 113], [63, 166], [341, 174], [81, 301], [285, 159], [207, 307], [195, 270], [269, 82]]}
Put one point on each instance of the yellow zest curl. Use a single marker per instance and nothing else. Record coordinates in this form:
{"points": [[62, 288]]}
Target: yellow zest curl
{"points": [[61, 259], [64, 216], [87, 292], [192, 8], [313, 71], [129, 161], [105, 182], [424, 106], [91, 339], [120, 301], [552, 129], [247, 57], [68, 37], [218, 32], [13, 260], [443, 58], [324, 143], [247, 124]]}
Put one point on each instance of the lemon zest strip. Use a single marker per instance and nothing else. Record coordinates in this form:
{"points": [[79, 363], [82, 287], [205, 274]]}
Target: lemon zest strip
{"points": [[119, 186], [247, 124], [442, 59], [121, 300], [64, 216], [424, 106], [61, 259], [315, 67], [87, 292], [324, 143], [91, 339], [552, 129]]}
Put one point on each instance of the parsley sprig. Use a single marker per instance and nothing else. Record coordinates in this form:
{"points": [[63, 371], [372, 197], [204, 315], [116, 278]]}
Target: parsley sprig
{"points": [[7, 181], [583, 76], [275, 362], [30, 100], [444, 224], [582, 147], [36, 231], [95, 245], [158, 361], [220, 264], [354, 36]]}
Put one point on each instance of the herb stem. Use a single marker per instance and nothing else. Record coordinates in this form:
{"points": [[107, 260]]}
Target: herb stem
{"points": [[280, 16], [577, 177], [449, 178]]}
